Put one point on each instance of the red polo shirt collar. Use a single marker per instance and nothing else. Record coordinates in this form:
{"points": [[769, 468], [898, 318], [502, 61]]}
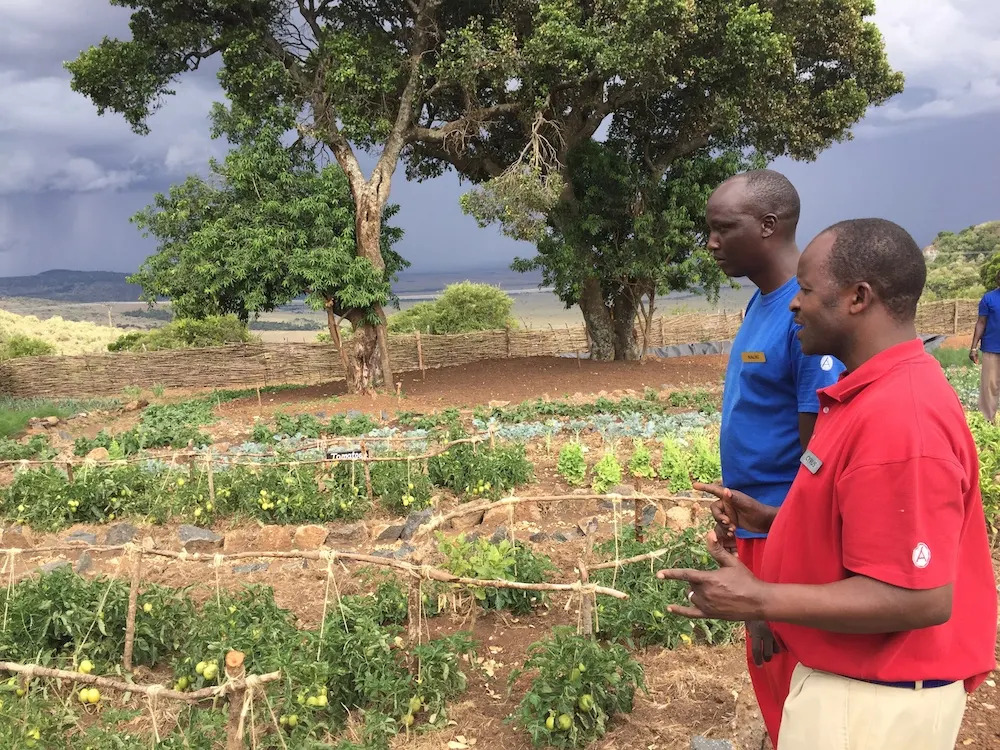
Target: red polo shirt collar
{"points": [[851, 384]]}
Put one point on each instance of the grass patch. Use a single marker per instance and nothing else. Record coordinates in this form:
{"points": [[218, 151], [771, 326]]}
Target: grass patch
{"points": [[15, 412], [952, 357]]}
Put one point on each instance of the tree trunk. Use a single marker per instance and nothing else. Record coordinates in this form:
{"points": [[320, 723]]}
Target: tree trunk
{"points": [[376, 369], [334, 325], [597, 318], [626, 308], [365, 368]]}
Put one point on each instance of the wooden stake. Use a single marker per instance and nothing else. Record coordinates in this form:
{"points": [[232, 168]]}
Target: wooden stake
{"points": [[260, 404], [234, 726], [506, 331], [638, 521], [586, 603], [211, 480], [368, 474], [420, 356], [133, 602], [69, 471]]}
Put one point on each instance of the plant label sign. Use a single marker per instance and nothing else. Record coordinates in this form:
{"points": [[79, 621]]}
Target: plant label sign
{"points": [[351, 453]]}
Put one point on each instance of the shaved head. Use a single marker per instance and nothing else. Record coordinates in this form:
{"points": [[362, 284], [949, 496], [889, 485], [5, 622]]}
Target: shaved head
{"points": [[770, 192]]}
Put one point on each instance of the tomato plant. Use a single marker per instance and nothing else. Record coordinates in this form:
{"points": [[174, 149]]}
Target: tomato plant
{"points": [[579, 686], [503, 561]]}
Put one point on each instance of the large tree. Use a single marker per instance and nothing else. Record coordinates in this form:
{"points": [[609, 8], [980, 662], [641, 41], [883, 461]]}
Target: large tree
{"points": [[267, 226], [504, 90], [620, 237]]}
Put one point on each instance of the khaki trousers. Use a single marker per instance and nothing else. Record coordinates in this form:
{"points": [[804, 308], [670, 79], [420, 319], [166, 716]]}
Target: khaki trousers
{"points": [[829, 712], [989, 384]]}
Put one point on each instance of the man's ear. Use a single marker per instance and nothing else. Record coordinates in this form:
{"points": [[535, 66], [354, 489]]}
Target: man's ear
{"points": [[768, 225], [862, 297]]}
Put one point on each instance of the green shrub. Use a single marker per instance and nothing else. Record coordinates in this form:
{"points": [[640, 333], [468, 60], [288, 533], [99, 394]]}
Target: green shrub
{"points": [[217, 330], [19, 345], [461, 308]]}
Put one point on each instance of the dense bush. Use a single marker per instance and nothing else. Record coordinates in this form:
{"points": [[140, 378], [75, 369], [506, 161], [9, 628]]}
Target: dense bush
{"points": [[216, 330], [19, 345], [461, 307]]}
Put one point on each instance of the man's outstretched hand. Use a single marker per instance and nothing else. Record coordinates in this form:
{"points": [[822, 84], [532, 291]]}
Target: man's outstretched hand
{"points": [[729, 593], [735, 509]]}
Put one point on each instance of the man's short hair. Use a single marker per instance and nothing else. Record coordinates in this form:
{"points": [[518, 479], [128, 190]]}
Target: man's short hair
{"points": [[883, 254], [770, 192]]}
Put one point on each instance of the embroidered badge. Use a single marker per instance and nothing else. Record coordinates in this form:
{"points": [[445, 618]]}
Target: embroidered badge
{"points": [[826, 363]]}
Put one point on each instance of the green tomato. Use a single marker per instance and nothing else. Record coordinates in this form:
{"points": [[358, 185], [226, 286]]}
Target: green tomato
{"points": [[565, 722], [550, 722]]}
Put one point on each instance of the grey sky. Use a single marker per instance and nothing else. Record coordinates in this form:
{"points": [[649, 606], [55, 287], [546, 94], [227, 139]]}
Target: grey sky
{"points": [[70, 180]]}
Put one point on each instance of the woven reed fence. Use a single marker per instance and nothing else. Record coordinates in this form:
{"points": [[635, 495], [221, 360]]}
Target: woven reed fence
{"points": [[249, 365]]}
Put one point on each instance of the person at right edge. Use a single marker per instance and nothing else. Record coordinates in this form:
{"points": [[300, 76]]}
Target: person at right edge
{"points": [[987, 335], [770, 401]]}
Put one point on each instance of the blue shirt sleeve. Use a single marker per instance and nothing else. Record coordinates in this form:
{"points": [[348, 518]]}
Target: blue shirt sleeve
{"points": [[812, 373]]}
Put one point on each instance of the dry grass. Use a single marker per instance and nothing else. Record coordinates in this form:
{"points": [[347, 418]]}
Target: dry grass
{"points": [[68, 337]]}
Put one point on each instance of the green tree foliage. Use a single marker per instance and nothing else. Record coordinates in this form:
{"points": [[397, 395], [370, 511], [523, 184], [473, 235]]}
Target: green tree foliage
{"points": [[268, 226], [505, 90], [963, 265], [19, 345], [620, 235], [462, 307], [677, 79]]}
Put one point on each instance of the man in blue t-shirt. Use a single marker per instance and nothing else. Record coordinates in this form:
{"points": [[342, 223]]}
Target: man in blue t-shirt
{"points": [[987, 335], [769, 401]]}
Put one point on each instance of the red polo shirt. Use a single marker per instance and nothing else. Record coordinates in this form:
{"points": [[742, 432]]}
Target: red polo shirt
{"points": [[889, 489]]}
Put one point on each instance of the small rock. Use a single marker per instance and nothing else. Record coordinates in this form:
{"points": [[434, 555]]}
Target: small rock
{"points": [[52, 421], [347, 533], [220, 448], [540, 536], [653, 515], [679, 519], [309, 537], [466, 522], [588, 526], [98, 454], [82, 536], [568, 535], [700, 743], [84, 563], [321, 414], [499, 535], [414, 521], [390, 534], [56, 565], [353, 414], [498, 404], [521, 512], [136, 405], [15, 537], [384, 415], [120, 533], [273, 538], [197, 539], [395, 554], [256, 567], [239, 540], [63, 435]]}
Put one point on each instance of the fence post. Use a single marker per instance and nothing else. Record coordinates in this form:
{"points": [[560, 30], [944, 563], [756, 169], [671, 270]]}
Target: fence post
{"points": [[234, 729], [507, 334], [420, 356], [133, 602], [956, 318]]}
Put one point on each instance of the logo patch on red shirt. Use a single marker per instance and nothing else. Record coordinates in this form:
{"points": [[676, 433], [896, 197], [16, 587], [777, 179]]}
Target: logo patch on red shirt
{"points": [[921, 555]]}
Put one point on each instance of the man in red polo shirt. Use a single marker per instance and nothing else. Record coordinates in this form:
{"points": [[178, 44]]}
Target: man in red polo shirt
{"points": [[877, 575]]}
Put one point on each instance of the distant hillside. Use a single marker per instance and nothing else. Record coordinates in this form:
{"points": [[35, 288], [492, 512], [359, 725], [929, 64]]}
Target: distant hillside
{"points": [[72, 286]]}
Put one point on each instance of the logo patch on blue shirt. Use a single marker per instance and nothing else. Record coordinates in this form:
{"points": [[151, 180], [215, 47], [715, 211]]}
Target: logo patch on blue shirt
{"points": [[754, 357]]}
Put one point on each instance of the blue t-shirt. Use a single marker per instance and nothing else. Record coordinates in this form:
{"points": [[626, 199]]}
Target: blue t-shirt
{"points": [[768, 382], [989, 308]]}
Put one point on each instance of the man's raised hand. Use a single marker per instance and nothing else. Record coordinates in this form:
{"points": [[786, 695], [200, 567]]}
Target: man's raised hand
{"points": [[729, 593], [735, 509]]}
